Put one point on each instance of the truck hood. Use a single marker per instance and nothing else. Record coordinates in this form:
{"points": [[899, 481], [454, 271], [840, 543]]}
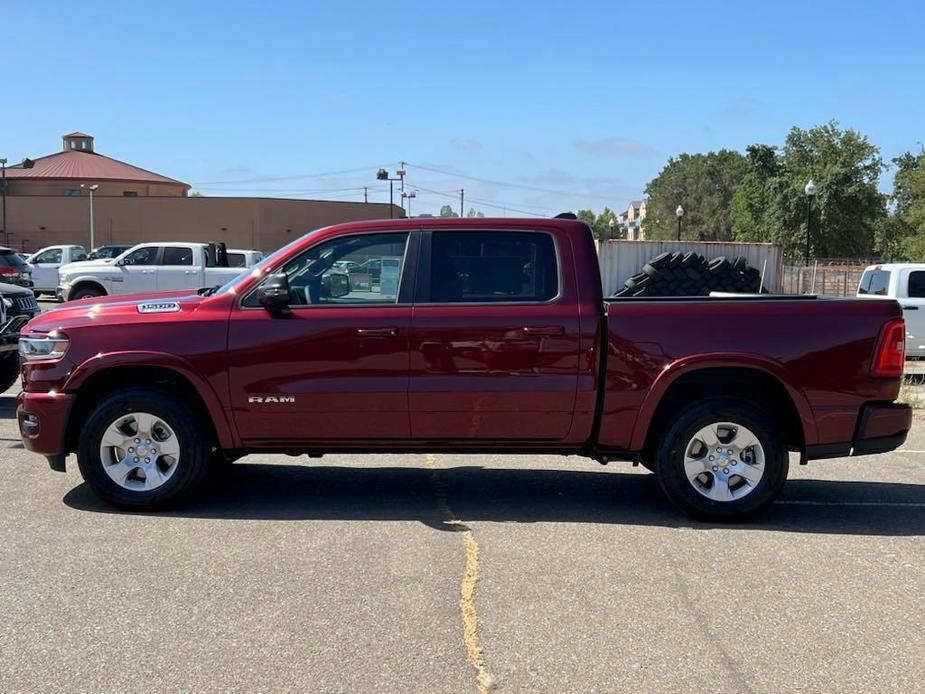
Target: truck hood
{"points": [[122, 308], [85, 266]]}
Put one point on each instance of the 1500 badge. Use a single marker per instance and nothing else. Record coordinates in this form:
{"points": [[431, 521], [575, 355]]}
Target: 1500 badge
{"points": [[268, 399]]}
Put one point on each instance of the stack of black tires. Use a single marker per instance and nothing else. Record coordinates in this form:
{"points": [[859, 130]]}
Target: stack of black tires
{"points": [[690, 274]]}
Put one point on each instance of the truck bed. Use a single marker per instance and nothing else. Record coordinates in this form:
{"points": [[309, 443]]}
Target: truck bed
{"points": [[820, 349]]}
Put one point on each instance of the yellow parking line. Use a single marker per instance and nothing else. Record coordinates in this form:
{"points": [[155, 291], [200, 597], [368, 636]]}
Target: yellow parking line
{"points": [[475, 653]]}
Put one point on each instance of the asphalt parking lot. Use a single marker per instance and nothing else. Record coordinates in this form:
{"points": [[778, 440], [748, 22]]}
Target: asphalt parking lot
{"points": [[396, 573]]}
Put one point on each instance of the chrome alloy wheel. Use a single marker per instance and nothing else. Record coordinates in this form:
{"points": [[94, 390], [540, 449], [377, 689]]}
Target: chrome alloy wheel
{"points": [[724, 461], [139, 451]]}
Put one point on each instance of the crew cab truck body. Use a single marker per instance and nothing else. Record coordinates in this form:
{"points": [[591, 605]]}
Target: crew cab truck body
{"points": [[150, 267], [47, 262], [481, 335], [905, 283]]}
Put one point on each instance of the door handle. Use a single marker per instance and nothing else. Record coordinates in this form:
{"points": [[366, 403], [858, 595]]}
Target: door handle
{"points": [[544, 330], [377, 332], [910, 308]]}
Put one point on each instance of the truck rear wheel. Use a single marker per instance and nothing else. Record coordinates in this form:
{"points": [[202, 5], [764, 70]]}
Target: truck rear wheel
{"points": [[143, 448], [722, 460]]}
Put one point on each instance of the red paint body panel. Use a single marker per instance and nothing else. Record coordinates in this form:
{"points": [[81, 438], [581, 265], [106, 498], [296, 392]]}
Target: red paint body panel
{"points": [[516, 376]]}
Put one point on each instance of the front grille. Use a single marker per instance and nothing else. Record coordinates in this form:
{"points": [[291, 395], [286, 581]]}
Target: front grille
{"points": [[23, 305]]}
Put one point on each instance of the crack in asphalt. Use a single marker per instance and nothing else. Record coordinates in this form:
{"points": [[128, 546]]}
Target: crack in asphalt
{"points": [[475, 652]]}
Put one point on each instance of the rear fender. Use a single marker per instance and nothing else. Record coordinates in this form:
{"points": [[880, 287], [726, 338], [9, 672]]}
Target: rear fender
{"points": [[686, 365]]}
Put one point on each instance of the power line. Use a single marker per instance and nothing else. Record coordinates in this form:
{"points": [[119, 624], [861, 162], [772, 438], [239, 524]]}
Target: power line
{"points": [[483, 203], [271, 179], [508, 184]]}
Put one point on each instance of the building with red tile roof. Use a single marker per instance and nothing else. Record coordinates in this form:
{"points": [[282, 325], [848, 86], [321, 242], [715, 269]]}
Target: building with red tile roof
{"points": [[78, 163]]}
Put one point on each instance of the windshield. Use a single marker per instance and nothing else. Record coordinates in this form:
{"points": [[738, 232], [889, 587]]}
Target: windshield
{"points": [[261, 267]]}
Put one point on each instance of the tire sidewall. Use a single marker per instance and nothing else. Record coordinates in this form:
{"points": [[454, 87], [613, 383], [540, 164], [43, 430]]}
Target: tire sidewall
{"points": [[670, 459], [88, 294], [194, 451]]}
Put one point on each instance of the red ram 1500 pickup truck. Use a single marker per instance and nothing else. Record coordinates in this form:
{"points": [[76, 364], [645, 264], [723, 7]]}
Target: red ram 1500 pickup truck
{"points": [[458, 336]]}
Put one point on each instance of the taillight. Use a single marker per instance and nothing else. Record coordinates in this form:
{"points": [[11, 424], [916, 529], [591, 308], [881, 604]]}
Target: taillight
{"points": [[7, 270], [890, 357]]}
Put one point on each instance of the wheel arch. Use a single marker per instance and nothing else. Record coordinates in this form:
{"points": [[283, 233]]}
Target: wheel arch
{"points": [[85, 283], [756, 378], [106, 373]]}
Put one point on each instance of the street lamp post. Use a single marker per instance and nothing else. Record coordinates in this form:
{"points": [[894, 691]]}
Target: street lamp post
{"points": [[383, 175], [810, 191], [680, 213], [93, 187], [612, 223], [410, 194]]}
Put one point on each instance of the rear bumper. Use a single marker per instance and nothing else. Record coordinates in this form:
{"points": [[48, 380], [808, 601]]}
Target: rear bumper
{"points": [[42, 419], [881, 427]]}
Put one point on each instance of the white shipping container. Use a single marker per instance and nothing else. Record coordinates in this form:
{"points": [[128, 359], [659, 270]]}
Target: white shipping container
{"points": [[620, 260]]}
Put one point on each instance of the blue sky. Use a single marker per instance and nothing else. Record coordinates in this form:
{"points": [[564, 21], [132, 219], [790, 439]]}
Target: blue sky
{"points": [[556, 105]]}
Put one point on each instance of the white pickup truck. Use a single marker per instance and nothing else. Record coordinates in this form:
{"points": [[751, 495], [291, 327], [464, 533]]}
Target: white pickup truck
{"points": [[904, 282], [151, 267], [47, 261]]}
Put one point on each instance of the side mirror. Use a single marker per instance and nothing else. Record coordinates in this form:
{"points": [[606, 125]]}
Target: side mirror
{"points": [[336, 285], [273, 294]]}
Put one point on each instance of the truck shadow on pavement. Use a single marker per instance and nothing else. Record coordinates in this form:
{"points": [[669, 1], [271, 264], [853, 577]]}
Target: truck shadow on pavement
{"points": [[296, 492]]}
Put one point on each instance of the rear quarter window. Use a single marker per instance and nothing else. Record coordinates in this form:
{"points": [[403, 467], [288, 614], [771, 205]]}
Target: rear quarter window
{"points": [[916, 284]]}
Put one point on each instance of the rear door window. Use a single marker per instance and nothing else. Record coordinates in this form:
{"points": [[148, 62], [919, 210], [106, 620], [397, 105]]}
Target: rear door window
{"points": [[493, 266], [917, 284], [175, 255], [875, 282], [236, 260]]}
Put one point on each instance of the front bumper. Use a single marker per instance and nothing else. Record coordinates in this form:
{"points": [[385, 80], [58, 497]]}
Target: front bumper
{"points": [[881, 427], [42, 419]]}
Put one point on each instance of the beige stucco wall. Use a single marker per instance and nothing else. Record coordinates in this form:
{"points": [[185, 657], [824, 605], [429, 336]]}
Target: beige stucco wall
{"points": [[261, 223]]}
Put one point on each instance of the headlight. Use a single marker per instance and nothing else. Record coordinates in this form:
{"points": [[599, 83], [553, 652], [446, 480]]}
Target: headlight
{"points": [[48, 347]]}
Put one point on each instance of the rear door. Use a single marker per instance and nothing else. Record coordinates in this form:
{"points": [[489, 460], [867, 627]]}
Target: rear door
{"points": [[494, 339], [176, 269], [911, 296]]}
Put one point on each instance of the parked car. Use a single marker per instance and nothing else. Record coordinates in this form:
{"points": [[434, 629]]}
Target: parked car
{"points": [[905, 283], [482, 335], [18, 307], [109, 252], [149, 267], [13, 269], [46, 262]]}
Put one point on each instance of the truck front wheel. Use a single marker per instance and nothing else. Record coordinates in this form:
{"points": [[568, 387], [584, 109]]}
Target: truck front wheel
{"points": [[143, 448], [88, 293], [722, 460]]}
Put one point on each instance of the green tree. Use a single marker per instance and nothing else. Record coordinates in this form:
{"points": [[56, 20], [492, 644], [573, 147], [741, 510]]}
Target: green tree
{"points": [[847, 209], [704, 185], [902, 234], [473, 213], [601, 226], [447, 211]]}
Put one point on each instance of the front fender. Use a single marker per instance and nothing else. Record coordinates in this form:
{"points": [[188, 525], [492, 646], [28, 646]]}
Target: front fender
{"points": [[686, 365], [227, 436]]}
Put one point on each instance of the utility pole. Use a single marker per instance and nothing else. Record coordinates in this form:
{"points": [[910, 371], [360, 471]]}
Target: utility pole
{"points": [[383, 175], [462, 207], [401, 175], [365, 194], [6, 234], [91, 188]]}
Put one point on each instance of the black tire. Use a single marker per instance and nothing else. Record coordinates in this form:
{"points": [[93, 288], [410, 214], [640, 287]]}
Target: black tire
{"points": [[676, 259], [688, 259], [719, 265], [740, 263], [669, 463], [195, 449], [87, 293], [661, 260], [626, 291], [651, 270], [9, 370], [637, 282]]}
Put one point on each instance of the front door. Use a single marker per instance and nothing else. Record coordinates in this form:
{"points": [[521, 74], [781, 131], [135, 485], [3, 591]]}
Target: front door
{"points": [[335, 367], [45, 269], [494, 345], [136, 272]]}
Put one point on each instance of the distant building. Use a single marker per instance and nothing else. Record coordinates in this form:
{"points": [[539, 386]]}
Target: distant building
{"points": [[631, 221], [47, 205], [77, 163]]}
